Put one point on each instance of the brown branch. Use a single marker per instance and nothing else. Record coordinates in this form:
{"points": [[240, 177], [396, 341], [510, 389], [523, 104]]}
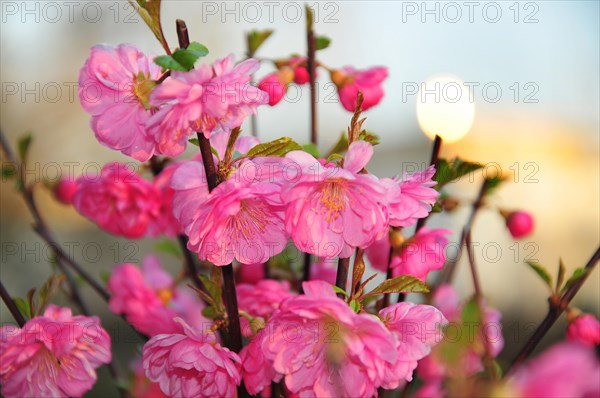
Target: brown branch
{"points": [[435, 155], [341, 277], [556, 308], [12, 307]]}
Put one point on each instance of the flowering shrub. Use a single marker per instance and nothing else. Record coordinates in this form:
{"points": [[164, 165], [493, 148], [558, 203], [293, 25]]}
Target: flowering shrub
{"points": [[300, 327]]}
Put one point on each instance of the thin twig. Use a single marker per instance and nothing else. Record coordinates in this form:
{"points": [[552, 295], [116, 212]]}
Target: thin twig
{"points": [[554, 311], [341, 277], [435, 155], [12, 307]]}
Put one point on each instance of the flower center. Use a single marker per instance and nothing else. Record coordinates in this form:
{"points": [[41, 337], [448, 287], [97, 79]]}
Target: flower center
{"points": [[142, 86], [165, 295], [332, 198], [251, 220]]}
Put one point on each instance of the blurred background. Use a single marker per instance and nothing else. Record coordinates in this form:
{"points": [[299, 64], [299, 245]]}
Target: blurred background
{"points": [[531, 73]]}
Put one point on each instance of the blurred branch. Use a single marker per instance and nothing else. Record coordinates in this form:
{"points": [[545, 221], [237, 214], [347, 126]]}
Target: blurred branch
{"points": [[435, 154], [10, 304]]}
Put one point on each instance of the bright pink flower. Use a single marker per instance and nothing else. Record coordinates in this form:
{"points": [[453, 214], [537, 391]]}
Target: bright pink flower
{"points": [[430, 390], [421, 254], [256, 370], [64, 191], [205, 99], [417, 328], [250, 274], [240, 219], [191, 364], [584, 329], [114, 85], [149, 299], [350, 81], [411, 197], [261, 300], [142, 387], [324, 270], [565, 370], [322, 348], [331, 210], [519, 223], [53, 355], [118, 200], [165, 223], [275, 84]]}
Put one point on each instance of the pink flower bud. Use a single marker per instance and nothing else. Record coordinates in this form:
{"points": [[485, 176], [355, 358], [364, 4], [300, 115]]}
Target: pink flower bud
{"points": [[64, 191], [301, 75], [275, 85], [350, 81], [584, 329], [519, 223]]}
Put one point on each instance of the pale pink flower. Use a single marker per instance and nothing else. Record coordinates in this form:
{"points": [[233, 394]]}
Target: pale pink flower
{"points": [[114, 85], [191, 364], [203, 100], [322, 348], [64, 191], [350, 81], [332, 210], [53, 355], [519, 223], [240, 218], [149, 299], [417, 328], [584, 329], [324, 270], [411, 197], [260, 300], [565, 370], [421, 254], [118, 200]]}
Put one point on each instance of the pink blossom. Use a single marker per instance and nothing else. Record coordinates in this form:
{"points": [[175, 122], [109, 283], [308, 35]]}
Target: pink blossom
{"points": [[205, 99], [430, 390], [301, 75], [256, 370], [417, 328], [149, 299], [64, 191], [324, 270], [322, 348], [250, 274], [421, 254], [584, 329], [519, 223], [240, 219], [53, 355], [191, 364], [165, 223], [331, 210], [118, 200], [261, 300], [565, 370], [275, 84], [350, 81], [142, 387], [411, 197], [114, 85]]}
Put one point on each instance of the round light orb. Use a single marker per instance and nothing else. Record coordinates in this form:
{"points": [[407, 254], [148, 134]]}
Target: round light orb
{"points": [[445, 107]]}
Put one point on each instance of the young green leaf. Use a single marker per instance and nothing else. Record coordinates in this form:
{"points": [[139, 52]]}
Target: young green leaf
{"points": [[577, 274], [183, 59], [355, 305], [8, 171], [542, 272], [194, 141], [23, 307], [340, 146], [339, 290], [23, 146], [561, 275], [322, 42], [168, 247], [278, 147], [492, 183], [49, 289], [449, 171], [369, 136], [400, 284], [256, 38], [312, 149]]}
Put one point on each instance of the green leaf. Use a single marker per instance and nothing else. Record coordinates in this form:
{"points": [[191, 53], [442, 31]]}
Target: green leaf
{"points": [[23, 307], [312, 149], [542, 272], [492, 183], [23, 146], [183, 59], [577, 274], [561, 275], [256, 38], [214, 291], [278, 147], [369, 136], [449, 171], [8, 171], [104, 276], [194, 141], [400, 284], [334, 157], [49, 289], [168, 247], [339, 290], [340, 146], [210, 312], [355, 305], [322, 42], [149, 11], [470, 312]]}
